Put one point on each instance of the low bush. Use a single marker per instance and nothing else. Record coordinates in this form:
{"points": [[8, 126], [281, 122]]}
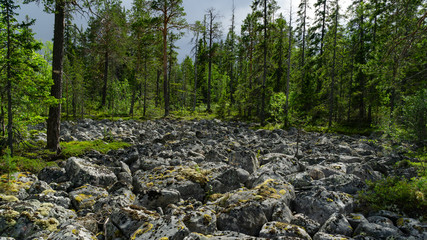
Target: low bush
{"points": [[398, 195]]}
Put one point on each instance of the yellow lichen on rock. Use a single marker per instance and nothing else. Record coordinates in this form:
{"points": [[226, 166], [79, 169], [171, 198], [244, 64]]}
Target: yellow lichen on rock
{"points": [[47, 191], [146, 227], [8, 198], [75, 231], [44, 209], [50, 224], [207, 219], [194, 175]]}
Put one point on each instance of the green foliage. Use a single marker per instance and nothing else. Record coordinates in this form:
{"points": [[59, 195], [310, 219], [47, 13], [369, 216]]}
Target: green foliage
{"points": [[415, 116], [76, 148], [397, 194], [277, 107], [22, 164]]}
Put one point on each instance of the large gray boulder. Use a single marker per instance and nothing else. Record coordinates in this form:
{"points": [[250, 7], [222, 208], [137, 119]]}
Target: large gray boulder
{"points": [[337, 224], [311, 226], [231, 179], [166, 228], [202, 220], [81, 171], [69, 230], [319, 204], [376, 231], [247, 219], [245, 159], [85, 197], [127, 220], [275, 230]]}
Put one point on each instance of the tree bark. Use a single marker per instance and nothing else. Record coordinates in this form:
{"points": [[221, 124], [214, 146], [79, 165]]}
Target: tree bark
{"points": [[54, 119], [210, 59], [165, 66], [104, 88], [265, 65], [145, 87], [289, 68], [331, 96], [195, 73], [9, 88]]}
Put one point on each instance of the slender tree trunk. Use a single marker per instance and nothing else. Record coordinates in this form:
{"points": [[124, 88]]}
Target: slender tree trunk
{"points": [[323, 28], [132, 101], [289, 68], [210, 60], [54, 119], [232, 59], [184, 90], [303, 38], [195, 73], [331, 95], [158, 88], [2, 114], [265, 65], [9, 88], [145, 87], [104, 88], [165, 68]]}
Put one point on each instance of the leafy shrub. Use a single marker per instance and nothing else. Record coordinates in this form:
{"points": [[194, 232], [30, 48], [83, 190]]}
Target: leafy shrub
{"points": [[396, 194]]}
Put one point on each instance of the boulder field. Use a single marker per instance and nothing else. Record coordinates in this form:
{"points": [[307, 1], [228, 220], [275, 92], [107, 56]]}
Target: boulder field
{"points": [[197, 180]]}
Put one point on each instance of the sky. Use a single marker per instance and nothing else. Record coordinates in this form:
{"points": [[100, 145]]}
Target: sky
{"points": [[195, 10]]}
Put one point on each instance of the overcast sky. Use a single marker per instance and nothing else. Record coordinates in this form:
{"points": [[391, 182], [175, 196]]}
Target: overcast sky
{"points": [[195, 10]]}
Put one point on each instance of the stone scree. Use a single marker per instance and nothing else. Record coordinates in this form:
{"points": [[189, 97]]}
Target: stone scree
{"points": [[205, 179]]}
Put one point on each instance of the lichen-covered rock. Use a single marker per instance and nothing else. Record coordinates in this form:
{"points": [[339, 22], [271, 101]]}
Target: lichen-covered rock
{"points": [[128, 220], [305, 222], [275, 230], [337, 224], [188, 181], [364, 172], [355, 219], [71, 231], [286, 164], [281, 213], [247, 219], [155, 198], [347, 183], [383, 221], [221, 235], [29, 218], [328, 236], [85, 197], [231, 179], [201, 220], [39, 187], [319, 204], [412, 227], [244, 159], [52, 174], [166, 228], [81, 172], [376, 231]]}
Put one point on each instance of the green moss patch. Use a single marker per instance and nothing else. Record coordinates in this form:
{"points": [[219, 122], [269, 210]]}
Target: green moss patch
{"points": [[78, 148]]}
